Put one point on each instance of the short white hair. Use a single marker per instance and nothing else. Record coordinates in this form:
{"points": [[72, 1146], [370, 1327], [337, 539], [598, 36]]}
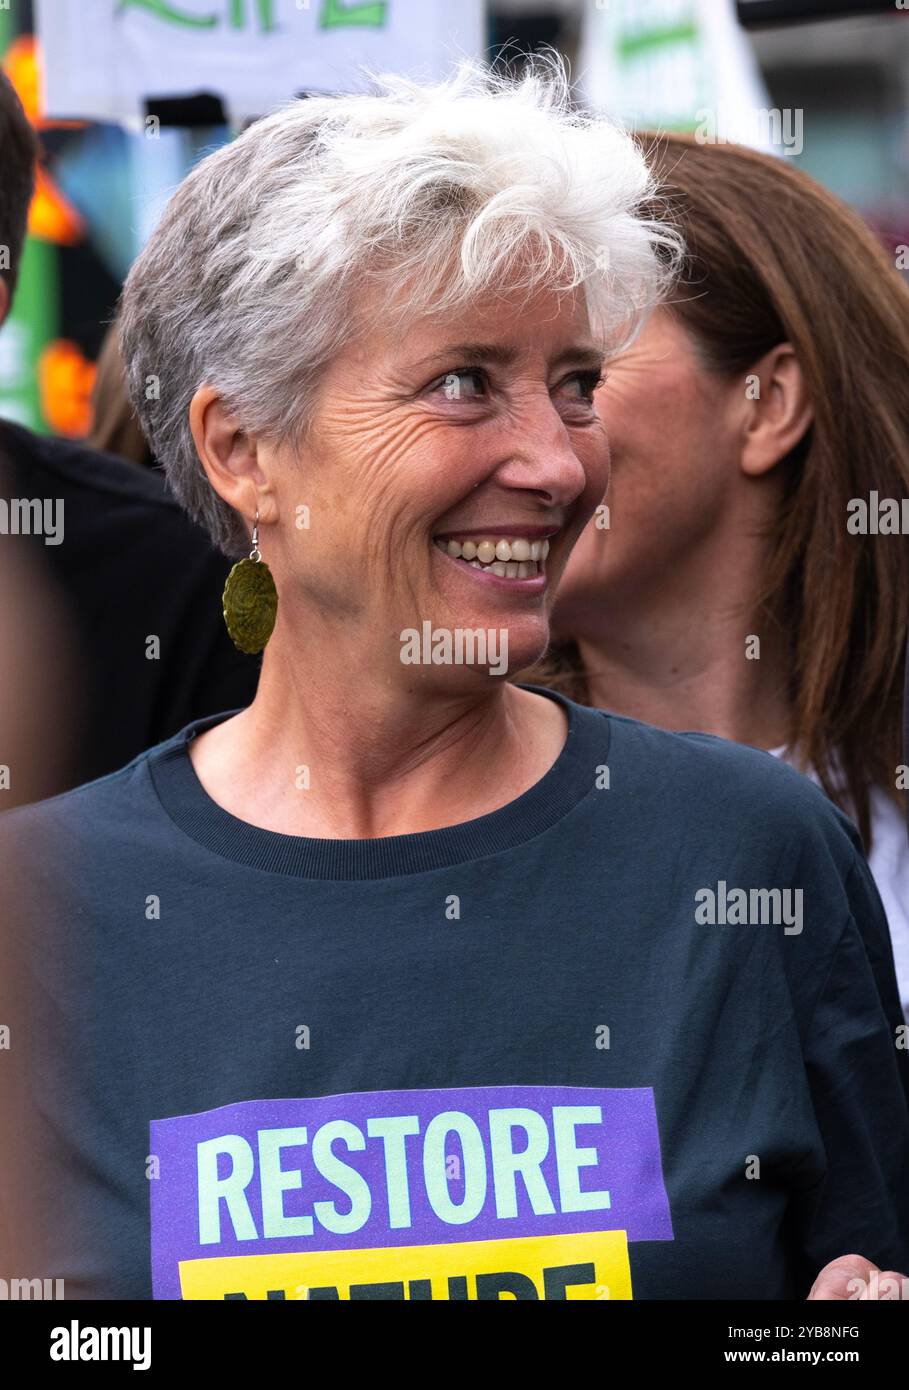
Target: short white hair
{"points": [[258, 270]]}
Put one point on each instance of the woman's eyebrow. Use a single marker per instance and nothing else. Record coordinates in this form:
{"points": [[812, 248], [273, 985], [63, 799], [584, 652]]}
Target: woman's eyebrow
{"points": [[584, 354], [469, 353]]}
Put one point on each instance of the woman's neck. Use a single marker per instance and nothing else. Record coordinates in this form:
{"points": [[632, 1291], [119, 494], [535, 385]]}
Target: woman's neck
{"points": [[681, 661], [324, 753]]}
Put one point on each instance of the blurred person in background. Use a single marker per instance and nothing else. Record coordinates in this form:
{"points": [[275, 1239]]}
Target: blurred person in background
{"points": [[757, 408], [405, 854], [137, 583], [115, 427], [35, 730]]}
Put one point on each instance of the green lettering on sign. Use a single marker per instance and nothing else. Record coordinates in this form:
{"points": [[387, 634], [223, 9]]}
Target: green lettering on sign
{"points": [[266, 14], [237, 13], [161, 9], [335, 14], [633, 45]]}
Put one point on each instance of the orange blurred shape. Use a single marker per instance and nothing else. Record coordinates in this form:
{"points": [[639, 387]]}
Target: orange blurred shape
{"points": [[51, 216], [65, 380], [22, 66]]}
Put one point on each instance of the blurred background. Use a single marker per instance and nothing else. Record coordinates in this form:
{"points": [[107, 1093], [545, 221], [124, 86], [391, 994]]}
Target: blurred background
{"points": [[821, 82]]}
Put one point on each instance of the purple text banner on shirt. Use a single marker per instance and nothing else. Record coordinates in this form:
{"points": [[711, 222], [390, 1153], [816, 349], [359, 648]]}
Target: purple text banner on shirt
{"points": [[375, 1169]]}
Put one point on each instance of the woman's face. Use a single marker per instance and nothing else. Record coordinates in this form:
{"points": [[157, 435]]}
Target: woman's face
{"points": [[675, 436], [428, 450]]}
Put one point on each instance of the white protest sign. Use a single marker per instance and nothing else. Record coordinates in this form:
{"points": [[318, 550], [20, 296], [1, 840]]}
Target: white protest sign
{"points": [[104, 58], [681, 65]]}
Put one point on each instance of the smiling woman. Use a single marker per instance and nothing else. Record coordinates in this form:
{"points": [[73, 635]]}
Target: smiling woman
{"points": [[394, 985], [340, 217]]}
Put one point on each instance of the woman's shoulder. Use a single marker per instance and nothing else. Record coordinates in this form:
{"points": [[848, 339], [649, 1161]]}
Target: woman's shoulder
{"points": [[702, 776], [749, 816], [94, 814]]}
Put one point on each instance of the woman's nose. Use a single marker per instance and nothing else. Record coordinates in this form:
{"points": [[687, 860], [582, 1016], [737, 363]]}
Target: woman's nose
{"points": [[543, 455]]}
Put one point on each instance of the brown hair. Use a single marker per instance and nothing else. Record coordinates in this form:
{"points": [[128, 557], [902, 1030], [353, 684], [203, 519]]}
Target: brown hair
{"points": [[774, 257], [115, 427], [18, 155]]}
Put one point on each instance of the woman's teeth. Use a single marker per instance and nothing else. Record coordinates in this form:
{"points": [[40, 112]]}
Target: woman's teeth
{"points": [[516, 559]]}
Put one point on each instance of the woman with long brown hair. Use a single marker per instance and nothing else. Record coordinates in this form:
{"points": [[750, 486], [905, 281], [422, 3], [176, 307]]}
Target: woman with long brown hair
{"points": [[741, 579]]}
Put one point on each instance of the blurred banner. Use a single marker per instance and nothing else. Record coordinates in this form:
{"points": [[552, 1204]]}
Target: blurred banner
{"points": [[104, 59], [676, 65]]}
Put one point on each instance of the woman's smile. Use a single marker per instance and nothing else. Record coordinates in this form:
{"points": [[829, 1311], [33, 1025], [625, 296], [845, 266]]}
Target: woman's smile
{"points": [[513, 557]]}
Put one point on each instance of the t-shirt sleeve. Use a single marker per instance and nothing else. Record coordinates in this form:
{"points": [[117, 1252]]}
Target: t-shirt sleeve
{"points": [[856, 1065]]}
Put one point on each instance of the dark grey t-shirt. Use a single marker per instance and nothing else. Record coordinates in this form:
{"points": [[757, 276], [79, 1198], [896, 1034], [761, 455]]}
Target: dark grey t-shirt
{"points": [[636, 1034]]}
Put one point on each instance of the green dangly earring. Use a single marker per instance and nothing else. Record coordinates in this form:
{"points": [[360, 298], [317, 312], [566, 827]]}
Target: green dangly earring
{"points": [[250, 600]]}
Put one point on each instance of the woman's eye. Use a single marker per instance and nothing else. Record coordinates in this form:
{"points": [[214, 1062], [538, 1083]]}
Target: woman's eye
{"points": [[467, 383], [582, 385]]}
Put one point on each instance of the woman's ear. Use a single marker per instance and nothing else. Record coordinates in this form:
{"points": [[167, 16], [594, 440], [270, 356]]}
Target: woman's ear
{"points": [[780, 410], [229, 455]]}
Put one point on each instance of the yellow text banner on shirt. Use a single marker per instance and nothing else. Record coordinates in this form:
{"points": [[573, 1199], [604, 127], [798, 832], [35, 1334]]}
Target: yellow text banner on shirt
{"points": [[576, 1267]]}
